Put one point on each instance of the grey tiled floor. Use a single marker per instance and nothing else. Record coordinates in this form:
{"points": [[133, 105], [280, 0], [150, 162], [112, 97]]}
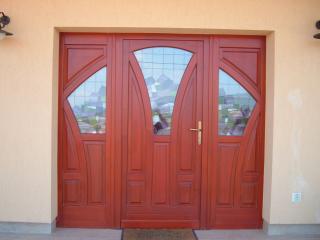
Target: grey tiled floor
{"points": [[68, 234], [246, 235], [107, 234]]}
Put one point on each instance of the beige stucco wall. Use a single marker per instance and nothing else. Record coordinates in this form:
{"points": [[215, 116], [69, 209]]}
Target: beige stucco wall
{"points": [[28, 91]]}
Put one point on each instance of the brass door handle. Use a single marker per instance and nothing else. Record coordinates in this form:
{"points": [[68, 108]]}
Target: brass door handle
{"points": [[199, 130]]}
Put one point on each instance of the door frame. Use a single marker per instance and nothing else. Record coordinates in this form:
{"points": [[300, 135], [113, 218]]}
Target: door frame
{"points": [[116, 158]]}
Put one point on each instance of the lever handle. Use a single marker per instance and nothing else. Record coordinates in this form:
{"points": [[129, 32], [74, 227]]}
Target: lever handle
{"points": [[199, 130]]}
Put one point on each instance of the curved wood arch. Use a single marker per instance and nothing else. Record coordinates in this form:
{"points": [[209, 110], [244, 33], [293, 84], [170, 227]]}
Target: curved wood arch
{"points": [[181, 91], [241, 72], [143, 90], [85, 64], [84, 74]]}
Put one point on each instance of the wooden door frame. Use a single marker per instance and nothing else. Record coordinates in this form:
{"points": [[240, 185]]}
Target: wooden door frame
{"points": [[116, 158]]}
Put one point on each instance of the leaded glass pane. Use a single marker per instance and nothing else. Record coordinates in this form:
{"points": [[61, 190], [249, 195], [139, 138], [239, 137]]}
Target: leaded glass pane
{"points": [[88, 103], [235, 106], [162, 68]]}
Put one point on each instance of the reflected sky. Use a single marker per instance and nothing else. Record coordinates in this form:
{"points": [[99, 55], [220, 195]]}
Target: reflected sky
{"points": [[167, 61], [227, 85], [90, 89]]}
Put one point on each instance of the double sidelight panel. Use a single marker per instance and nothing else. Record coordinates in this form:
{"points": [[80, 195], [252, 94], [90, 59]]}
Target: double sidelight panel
{"points": [[159, 131]]}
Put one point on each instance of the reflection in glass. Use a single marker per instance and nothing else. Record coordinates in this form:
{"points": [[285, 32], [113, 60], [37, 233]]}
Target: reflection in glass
{"points": [[88, 103], [162, 68], [235, 106]]}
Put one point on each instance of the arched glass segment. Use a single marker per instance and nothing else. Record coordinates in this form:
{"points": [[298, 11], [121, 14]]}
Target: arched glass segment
{"points": [[235, 106], [162, 68], [88, 103]]}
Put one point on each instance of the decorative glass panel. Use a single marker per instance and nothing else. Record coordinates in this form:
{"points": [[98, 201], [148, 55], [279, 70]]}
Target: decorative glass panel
{"points": [[88, 103], [235, 106], [162, 68]]}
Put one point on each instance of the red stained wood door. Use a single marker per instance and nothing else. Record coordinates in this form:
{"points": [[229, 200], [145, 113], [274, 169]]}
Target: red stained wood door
{"points": [[160, 131], [236, 131], [85, 176], [162, 101]]}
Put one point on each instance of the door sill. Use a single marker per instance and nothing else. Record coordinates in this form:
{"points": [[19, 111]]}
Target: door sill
{"points": [[194, 224]]}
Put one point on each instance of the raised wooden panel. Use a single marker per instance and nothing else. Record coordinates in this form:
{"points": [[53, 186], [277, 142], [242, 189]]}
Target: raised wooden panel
{"points": [[226, 169], [136, 125], [185, 193], [250, 160], [248, 196], [243, 218], [135, 192], [72, 157], [246, 60], [80, 57], [95, 158], [160, 173], [71, 192], [187, 139]]}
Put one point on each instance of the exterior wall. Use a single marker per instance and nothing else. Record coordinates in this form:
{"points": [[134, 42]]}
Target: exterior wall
{"points": [[28, 91]]}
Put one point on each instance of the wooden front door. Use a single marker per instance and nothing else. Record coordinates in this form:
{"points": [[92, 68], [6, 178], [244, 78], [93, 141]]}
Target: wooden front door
{"points": [[160, 131], [162, 104]]}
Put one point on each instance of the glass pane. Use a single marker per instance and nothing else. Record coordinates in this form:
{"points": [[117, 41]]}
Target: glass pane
{"points": [[235, 106], [88, 103], [162, 68]]}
